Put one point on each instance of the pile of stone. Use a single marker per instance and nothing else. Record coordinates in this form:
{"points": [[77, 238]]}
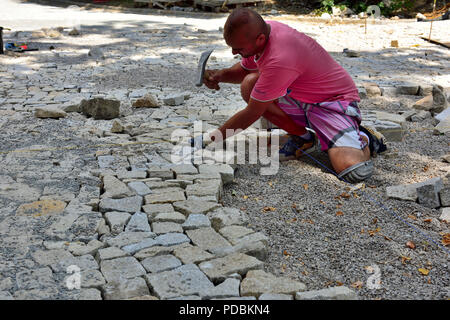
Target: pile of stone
{"points": [[391, 125], [433, 193]]}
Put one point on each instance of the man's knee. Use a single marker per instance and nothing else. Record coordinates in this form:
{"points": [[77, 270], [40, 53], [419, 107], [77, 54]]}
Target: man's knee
{"points": [[247, 85], [357, 172]]}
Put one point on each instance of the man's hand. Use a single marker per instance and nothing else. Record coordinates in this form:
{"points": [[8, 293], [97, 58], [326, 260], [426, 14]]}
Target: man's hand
{"points": [[201, 141], [212, 78]]}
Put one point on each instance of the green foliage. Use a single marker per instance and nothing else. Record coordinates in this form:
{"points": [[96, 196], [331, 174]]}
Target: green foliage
{"points": [[387, 8], [327, 5]]}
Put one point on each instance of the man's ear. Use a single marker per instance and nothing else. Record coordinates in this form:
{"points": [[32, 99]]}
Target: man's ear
{"points": [[261, 39]]}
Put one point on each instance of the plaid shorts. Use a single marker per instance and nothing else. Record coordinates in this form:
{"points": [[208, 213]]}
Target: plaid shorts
{"points": [[336, 123]]}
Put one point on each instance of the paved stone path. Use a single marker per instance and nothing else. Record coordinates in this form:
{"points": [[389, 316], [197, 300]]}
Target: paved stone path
{"points": [[96, 209]]}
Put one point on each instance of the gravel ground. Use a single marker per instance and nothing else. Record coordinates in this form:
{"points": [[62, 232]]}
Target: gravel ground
{"points": [[326, 234]]}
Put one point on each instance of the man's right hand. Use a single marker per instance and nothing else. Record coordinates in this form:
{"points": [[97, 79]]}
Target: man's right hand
{"points": [[212, 78]]}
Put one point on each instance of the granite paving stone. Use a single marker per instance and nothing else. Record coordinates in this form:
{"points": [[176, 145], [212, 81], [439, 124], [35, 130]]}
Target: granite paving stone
{"points": [[116, 270], [166, 227], [192, 254], [219, 269], [161, 263], [183, 281], [207, 238]]}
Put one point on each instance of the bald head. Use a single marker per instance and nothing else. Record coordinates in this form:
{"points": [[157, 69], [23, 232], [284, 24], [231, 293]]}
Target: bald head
{"points": [[245, 21]]}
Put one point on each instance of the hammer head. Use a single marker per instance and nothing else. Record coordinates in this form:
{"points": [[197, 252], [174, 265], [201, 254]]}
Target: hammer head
{"points": [[201, 67]]}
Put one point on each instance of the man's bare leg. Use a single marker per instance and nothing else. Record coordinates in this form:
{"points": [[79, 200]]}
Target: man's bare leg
{"points": [[342, 158]]}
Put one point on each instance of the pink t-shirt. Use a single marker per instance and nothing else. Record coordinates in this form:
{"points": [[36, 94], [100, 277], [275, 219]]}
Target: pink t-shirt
{"points": [[293, 61]]}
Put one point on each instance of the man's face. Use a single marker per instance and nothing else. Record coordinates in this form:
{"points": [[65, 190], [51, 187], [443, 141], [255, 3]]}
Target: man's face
{"points": [[241, 45]]}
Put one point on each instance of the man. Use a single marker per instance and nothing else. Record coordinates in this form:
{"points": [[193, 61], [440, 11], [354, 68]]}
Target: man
{"points": [[290, 80]]}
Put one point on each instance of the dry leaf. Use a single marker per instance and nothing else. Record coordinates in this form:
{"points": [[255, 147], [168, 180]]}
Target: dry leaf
{"points": [[446, 239], [373, 232], [387, 238], [266, 209], [286, 253], [305, 186], [245, 197], [404, 259], [410, 245], [357, 284], [345, 195], [339, 213], [369, 269], [424, 271], [338, 283], [427, 220], [412, 217]]}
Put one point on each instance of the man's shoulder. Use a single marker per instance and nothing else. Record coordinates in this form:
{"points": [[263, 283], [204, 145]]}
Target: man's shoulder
{"points": [[277, 25]]}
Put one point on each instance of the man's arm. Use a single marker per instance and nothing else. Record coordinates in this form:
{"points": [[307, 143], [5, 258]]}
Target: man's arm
{"points": [[242, 119], [234, 74]]}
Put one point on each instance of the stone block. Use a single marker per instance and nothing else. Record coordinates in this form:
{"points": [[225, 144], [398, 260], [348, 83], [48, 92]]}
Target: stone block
{"points": [[174, 216], [445, 215], [445, 196], [192, 254], [117, 220], [125, 289], [333, 293], [428, 196], [129, 204], [223, 217], [166, 227], [188, 207], [172, 197], [195, 221], [258, 282], [138, 223], [119, 269], [227, 289], [183, 281], [161, 263], [207, 238], [110, 253], [221, 268]]}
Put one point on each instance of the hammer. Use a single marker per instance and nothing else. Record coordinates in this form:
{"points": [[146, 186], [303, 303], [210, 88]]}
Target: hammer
{"points": [[201, 66]]}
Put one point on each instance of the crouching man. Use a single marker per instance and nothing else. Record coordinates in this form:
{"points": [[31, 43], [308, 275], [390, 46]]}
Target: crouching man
{"points": [[290, 80]]}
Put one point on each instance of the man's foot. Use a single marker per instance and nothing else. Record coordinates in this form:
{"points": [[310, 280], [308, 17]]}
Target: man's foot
{"points": [[377, 142], [296, 146]]}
